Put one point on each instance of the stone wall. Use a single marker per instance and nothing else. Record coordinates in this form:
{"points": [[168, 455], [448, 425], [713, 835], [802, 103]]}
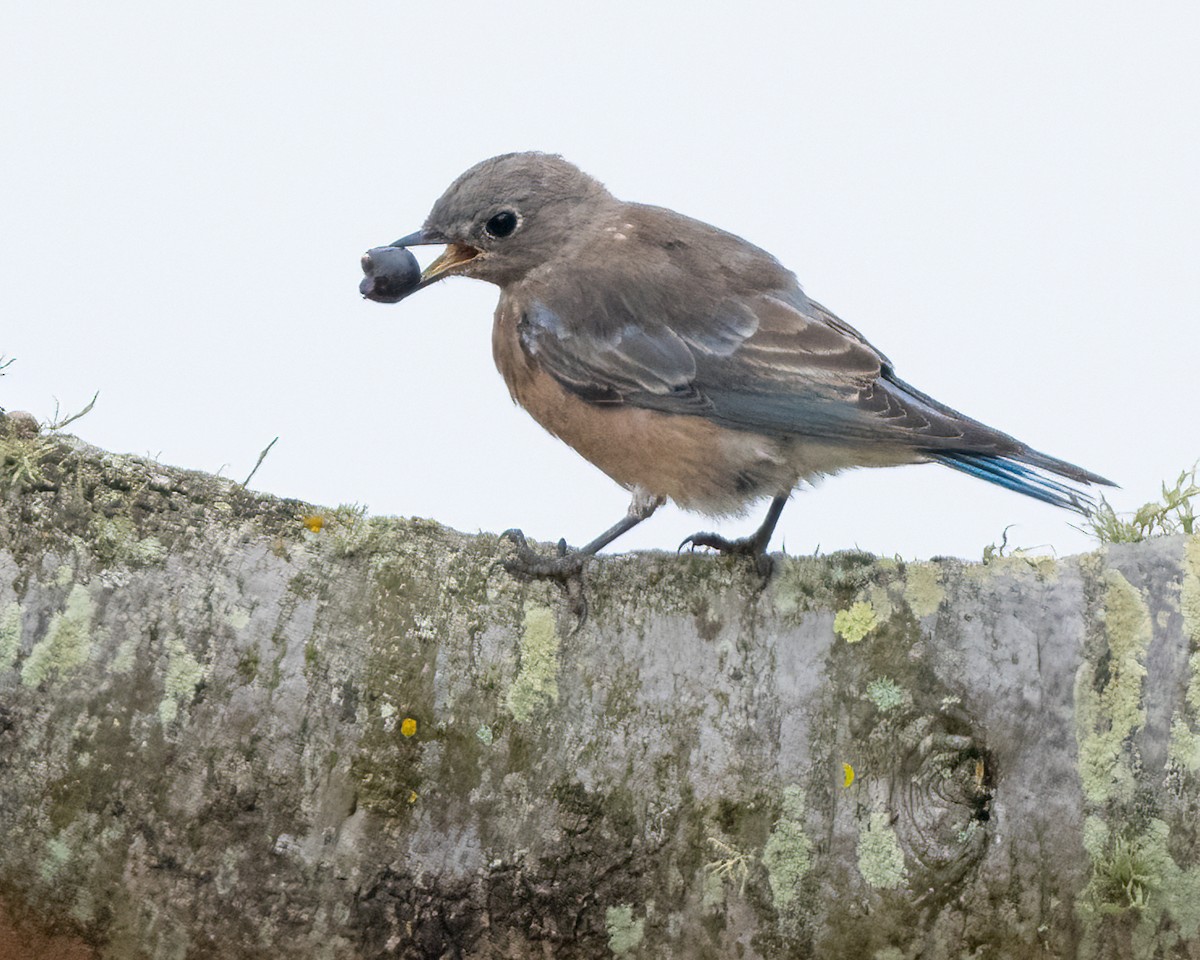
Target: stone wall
{"points": [[233, 726]]}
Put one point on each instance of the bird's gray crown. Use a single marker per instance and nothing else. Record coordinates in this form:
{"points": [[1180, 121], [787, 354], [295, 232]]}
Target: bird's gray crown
{"points": [[516, 178]]}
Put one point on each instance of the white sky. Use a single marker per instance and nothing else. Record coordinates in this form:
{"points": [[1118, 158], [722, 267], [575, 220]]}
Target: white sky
{"points": [[1004, 198]]}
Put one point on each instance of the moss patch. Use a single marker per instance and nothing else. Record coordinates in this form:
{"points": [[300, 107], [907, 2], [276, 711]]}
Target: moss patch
{"points": [[821, 583]]}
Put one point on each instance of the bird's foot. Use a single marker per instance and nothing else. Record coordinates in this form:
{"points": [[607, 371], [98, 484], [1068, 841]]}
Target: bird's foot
{"points": [[530, 564], [565, 568], [751, 547]]}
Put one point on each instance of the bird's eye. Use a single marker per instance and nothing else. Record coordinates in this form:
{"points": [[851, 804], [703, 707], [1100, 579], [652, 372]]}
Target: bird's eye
{"points": [[501, 225]]}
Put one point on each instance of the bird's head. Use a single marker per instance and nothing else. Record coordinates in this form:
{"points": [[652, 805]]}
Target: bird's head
{"points": [[508, 215]]}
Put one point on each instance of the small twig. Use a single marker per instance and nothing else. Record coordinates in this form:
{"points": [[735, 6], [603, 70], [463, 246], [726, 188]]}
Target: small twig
{"points": [[5, 362], [57, 424], [261, 457]]}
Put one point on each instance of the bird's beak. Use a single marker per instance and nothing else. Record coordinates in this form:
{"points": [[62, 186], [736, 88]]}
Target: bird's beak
{"points": [[455, 255]]}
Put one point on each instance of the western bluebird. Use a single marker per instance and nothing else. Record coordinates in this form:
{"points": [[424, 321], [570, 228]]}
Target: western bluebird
{"points": [[684, 362]]}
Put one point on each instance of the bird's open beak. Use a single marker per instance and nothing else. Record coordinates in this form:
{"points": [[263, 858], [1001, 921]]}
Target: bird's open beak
{"points": [[455, 255]]}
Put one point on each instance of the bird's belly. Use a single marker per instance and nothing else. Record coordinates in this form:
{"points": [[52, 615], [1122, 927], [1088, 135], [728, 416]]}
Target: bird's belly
{"points": [[693, 461]]}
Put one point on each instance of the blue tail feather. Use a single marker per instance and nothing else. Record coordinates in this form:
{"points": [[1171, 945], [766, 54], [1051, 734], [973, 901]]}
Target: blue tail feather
{"points": [[1018, 477]]}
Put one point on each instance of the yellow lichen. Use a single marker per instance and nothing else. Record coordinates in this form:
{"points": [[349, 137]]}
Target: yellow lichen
{"points": [[854, 624], [408, 726]]}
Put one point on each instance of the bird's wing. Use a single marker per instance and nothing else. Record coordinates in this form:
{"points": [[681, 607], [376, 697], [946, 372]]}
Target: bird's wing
{"points": [[776, 363]]}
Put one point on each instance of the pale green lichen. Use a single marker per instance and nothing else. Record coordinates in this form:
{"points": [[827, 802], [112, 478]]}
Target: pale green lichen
{"points": [[625, 934], [1183, 749], [536, 683], [787, 854], [1184, 746], [879, 596], [712, 892], [350, 531], [184, 674], [1095, 835], [125, 657], [1189, 606], [1177, 889], [237, 618], [484, 735], [1106, 718], [886, 694], [10, 634], [923, 590], [1133, 871], [67, 643], [854, 624], [880, 857], [58, 852], [117, 539]]}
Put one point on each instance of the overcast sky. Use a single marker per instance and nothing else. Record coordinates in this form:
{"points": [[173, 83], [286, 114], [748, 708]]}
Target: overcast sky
{"points": [[1003, 197]]}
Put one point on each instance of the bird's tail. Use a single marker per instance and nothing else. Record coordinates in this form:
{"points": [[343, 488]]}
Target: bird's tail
{"points": [[1028, 472]]}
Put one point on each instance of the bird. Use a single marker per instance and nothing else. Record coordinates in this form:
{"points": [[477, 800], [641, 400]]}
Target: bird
{"points": [[685, 362]]}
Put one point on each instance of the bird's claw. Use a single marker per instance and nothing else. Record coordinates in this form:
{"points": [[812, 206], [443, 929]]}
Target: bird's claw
{"points": [[750, 547]]}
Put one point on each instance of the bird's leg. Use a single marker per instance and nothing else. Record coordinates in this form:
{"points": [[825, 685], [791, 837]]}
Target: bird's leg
{"points": [[754, 546], [568, 563]]}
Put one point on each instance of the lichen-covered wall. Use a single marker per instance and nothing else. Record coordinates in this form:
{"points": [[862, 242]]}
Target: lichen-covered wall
{"points": [[233, 726]]}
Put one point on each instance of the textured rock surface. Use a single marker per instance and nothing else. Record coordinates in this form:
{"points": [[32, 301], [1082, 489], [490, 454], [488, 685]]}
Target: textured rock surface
{"points": [[234, 726]]}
